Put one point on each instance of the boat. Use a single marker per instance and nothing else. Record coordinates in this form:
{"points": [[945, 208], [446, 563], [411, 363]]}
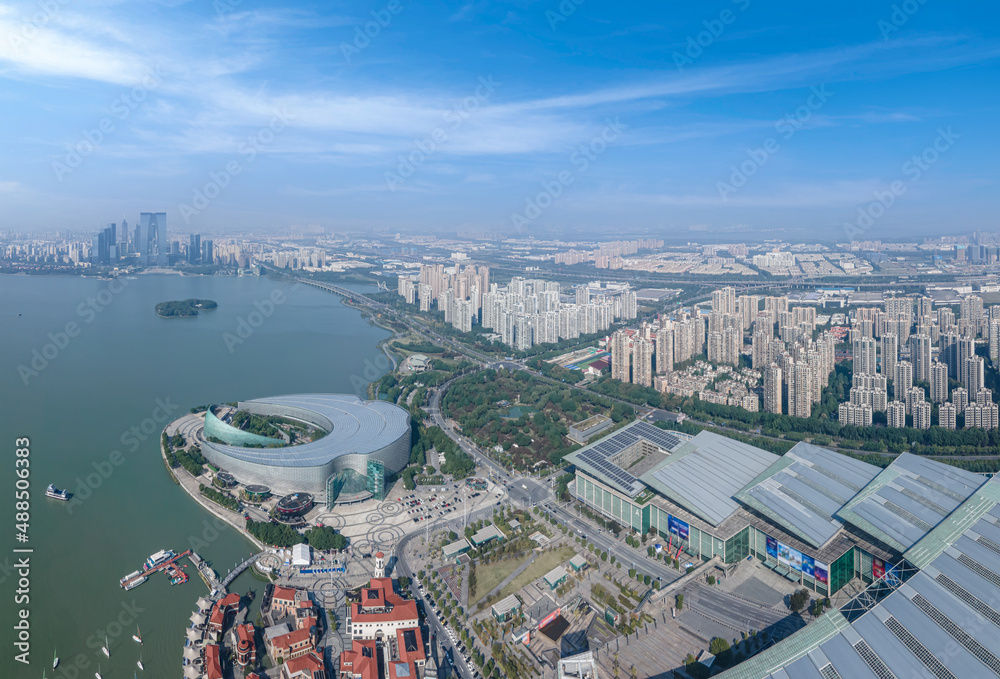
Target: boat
{"points": [[55, 493], [97, 674], [135, 583], [105, 646], [139, 662], [137, 637], [158, 558], [55, 659]]}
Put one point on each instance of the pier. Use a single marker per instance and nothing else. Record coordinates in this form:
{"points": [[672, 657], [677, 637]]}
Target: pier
{"points": [[170, 563]]}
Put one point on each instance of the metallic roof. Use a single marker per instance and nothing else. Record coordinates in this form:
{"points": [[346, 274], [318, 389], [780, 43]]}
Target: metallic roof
{"points": [[805, 488], [704, 474], [908, 498], [944, 621], [594, 458], [354, 426]]}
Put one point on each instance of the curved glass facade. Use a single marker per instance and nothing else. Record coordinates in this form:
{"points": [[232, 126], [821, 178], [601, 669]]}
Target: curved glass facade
{"points": [[233, 436]]}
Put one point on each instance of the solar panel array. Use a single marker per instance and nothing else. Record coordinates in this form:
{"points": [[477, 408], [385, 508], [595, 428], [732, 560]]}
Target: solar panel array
{"points": [[597, 455], [808, 487], [911, 496], [943, 622]]}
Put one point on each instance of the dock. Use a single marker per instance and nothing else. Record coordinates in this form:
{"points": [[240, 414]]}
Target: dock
{"points": [[176, 575]]}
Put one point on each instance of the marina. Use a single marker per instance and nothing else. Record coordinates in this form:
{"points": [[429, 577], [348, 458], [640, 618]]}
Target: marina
{"points": [[164, 560]]}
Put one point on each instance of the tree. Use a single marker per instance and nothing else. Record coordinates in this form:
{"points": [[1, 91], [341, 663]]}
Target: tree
{"points": [[798, 600], [680, 602], [325, 538]]}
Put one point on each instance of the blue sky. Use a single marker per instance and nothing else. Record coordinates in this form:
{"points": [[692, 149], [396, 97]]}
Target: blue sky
{"points": [[686, 120]]}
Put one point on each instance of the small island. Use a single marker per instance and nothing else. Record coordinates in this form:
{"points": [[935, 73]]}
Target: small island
{"points": [[186, 307]]}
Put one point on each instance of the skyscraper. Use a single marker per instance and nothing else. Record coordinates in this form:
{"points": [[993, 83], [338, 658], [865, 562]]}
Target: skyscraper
{"points": [[152, 238], [621, 355], [939, 382], [920, 356], [194, 248], [864, 355], [772, 389], [643, 359]]}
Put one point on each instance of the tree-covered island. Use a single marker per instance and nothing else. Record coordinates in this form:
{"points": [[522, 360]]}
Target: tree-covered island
{"points": [[186, 307]]}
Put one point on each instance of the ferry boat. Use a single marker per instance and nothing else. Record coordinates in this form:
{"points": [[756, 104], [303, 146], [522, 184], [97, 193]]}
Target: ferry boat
{"points": [[55, 493], [132, 580], [155, 560]]}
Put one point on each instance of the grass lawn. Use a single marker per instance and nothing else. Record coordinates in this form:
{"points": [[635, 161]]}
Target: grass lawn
{"points": [[488, 577], [542, 565]]}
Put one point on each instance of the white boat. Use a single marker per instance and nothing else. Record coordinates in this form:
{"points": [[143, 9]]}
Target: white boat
{"points": [[55, 659], [135, 583], [158, 558], [55, 493], [105, 646], [137, 637], [139, 662], [97, 674]]}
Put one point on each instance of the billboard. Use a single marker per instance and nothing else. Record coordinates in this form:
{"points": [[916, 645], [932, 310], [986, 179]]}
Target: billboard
{"points": [[678, 527], [549, 618], [772, 548], [790, 557], [878, 568], [821, 573]]}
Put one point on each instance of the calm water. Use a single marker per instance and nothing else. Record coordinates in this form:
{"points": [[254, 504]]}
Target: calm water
{"points": [[93, 415]]}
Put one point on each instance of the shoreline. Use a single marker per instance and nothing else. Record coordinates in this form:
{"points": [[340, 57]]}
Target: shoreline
{"points": [[213, 508]]}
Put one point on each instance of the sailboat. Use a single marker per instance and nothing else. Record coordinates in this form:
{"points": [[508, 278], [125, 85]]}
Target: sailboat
{"points": [[55, 659], [97, 674], [137, 637], [105, 646], [139, 662]]}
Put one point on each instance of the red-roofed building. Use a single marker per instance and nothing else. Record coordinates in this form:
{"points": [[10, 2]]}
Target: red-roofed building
{"points": [[410, 646], [397, 669], [213, 662], [360, 662], [380, 612], [307, 667], [244, 645], [284, 601], [222, 608], [293, 645]]}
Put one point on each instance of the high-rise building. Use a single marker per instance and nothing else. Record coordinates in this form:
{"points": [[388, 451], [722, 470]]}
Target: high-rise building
{"points": [[152, 239], [621, 356], [864, 356], [947, 415], [920, 356], [724, 300], [583, 295], [890, 354], [208, 253], [896, 414], [922, 415], [975, 373], [772, 389], [960, 397], [914, 395], [642, 369], [966, 349], [902, 380], [664, 349], [194, 248], [939, 382], [800, 390]]}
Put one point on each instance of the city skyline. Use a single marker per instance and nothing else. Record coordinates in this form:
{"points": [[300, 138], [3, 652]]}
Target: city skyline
{"points": [[557, 120]]}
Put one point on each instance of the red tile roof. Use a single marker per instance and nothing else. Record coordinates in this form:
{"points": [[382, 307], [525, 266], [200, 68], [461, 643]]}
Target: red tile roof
{"points": [[213, 667], [309, 666], [283, 594], [416, 655], [380, 595], [356, 663]]}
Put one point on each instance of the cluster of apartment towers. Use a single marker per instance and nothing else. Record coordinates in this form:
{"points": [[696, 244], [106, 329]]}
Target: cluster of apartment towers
{"points": [[795, 365], [523, 313], [942, 351], [795, 361]]}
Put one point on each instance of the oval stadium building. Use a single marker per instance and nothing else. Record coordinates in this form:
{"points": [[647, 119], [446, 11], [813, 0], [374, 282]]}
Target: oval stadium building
{"points": [[361, 436]]}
